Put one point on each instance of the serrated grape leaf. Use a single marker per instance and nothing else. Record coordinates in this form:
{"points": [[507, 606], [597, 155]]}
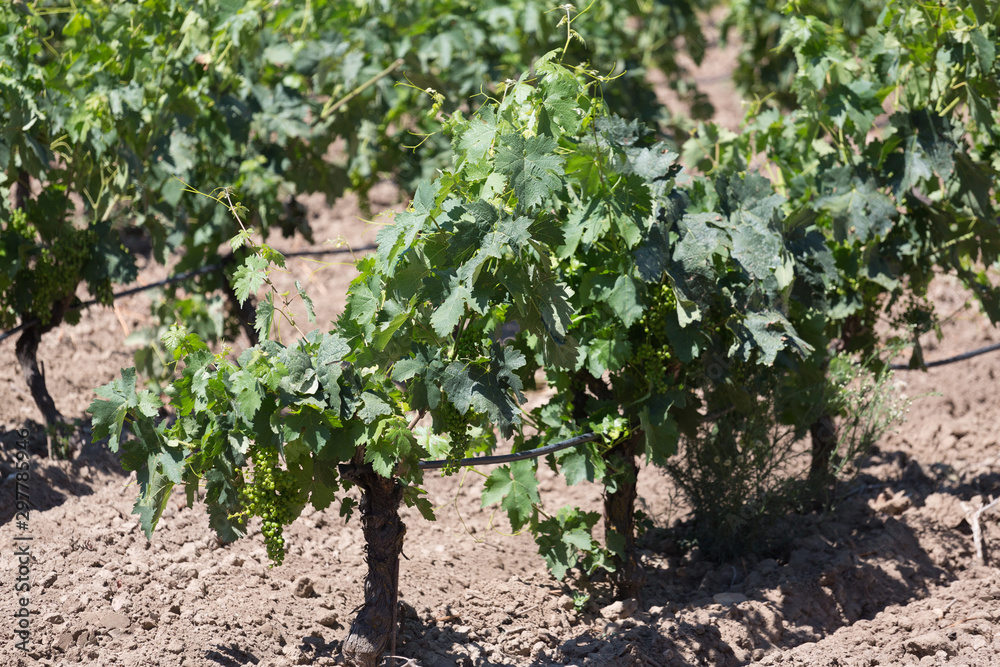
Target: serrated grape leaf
{"points": [[332, 350], [552, 301], [155, 489], [385, 331], [750, 194], [297, 374], [509, 234], [531, 166], [309, 425], [654, 163], [329, 369], [558, 555], [659, 428], [974, 186], [451, 310], [562, 353], [624, 300], [758, 249], [171, 461], [247, 394], [228, 530], [392, 442], [861, 213], [516, 489], [109, 415], [983, 46], [494, 390], [265, 316], [404, 369], [607, 354], [321, 496], [699, 242], [249, 277], [478, 137], [984, 12], [497, 391], [652, 256], [562, 537], [770, 333], [362, 304], [457, 382], [307, 301], [576, 465], [347, 506], [395, 239], [627, 207], [856, 102], [372, 407]]}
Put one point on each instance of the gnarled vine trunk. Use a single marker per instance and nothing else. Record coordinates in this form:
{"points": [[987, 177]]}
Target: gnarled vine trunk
{"points": [[824, 443], [26, 351], [374, 628], [619, 517]]}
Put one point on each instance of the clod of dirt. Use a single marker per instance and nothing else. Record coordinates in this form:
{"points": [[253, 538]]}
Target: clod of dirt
{"points": [[616, 611], [930, 643], [894, 504], [304, 588]]}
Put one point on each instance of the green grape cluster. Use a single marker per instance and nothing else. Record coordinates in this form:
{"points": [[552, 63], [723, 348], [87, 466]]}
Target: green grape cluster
{"points": [[466, 348], [652, 356], [458, 427], [274, 496], [654, 321], [104, 293], [56, 269]]}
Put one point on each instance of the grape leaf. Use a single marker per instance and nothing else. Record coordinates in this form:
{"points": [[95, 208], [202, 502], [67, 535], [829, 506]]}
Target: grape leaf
{"points": [[307, 301], [384, 451], [516, 488], [624, 300], [373, 407], [477, 139], [447, 316], [109, 415], [532, 167], [395, 239], [248, 278], [561, 538]]}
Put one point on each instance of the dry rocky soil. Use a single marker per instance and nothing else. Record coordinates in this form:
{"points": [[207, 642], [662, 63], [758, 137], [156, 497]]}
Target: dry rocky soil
{"points": [[890, 577]]}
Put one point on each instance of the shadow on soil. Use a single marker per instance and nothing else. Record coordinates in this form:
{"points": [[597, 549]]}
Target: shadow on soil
{"points": [[47, 482], [835, 570]]}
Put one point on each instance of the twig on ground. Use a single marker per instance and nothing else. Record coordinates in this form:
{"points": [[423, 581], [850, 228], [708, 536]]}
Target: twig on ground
{"points": [[977, 532], [410, 662], [121, 320]]}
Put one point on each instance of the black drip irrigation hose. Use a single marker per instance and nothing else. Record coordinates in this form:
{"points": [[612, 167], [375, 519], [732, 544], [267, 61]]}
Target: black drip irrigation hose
{"points": [[182, 277], [507, 458], [949, 360]]}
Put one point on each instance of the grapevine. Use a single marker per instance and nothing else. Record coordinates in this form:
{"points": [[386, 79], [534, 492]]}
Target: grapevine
{"points": [[561, 241]]}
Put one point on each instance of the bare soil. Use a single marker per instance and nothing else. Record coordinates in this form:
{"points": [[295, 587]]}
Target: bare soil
{"points": [[888, 578]]}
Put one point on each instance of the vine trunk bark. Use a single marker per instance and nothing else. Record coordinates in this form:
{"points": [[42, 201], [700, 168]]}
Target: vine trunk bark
{"points": [[619, 516], [374, 628], [26, 352], [824, 443]]}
